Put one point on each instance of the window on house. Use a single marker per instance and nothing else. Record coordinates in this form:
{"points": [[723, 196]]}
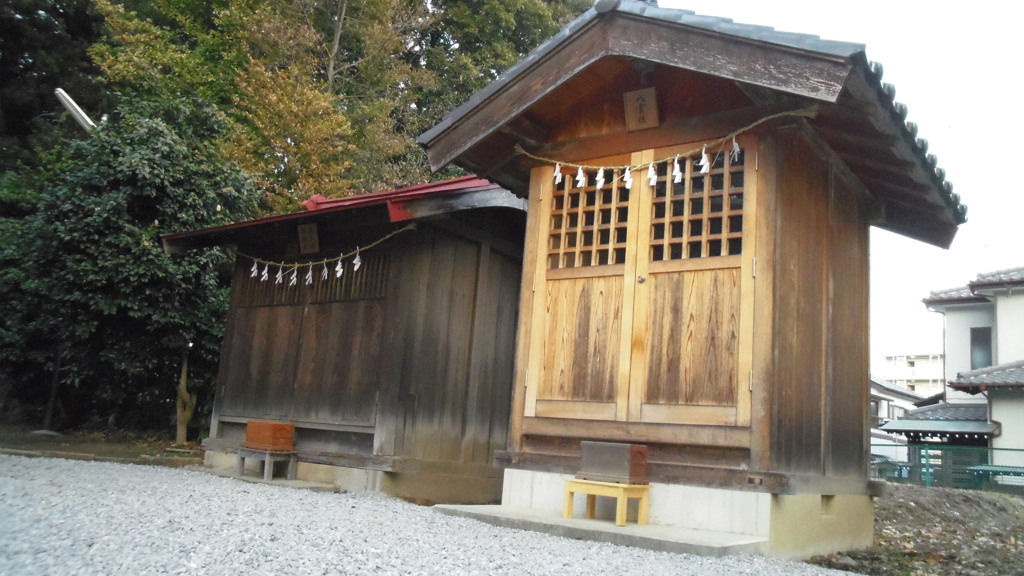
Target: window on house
{"points": [[981, 347]]}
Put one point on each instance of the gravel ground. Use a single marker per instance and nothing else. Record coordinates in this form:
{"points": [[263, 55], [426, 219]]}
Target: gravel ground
{"points": [[61, 517]]}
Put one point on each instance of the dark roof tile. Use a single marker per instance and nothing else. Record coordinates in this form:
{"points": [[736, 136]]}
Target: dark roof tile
{"points": [[1009, 375]]}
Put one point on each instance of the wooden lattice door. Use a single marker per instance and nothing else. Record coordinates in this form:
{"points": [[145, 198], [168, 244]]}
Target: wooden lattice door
{"points": [[644, 312]]}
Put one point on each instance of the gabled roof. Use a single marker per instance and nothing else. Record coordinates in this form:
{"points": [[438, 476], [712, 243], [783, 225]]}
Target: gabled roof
{"points": [[986, 284], [1009, 375], [960, 295], [399, 205], [992, 282], [856, 116]]}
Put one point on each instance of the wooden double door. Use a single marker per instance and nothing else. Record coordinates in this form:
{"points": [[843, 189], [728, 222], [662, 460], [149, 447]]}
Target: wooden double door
{"points": [[643, 292]]}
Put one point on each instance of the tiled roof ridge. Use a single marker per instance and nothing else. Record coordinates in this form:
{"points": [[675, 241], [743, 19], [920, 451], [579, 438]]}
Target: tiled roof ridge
{"points": [[990, 369], [1013, 275], [947, 411]]}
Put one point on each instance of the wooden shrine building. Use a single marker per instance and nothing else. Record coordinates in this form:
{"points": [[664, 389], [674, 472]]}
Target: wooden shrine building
{"points": [[695, 276], [382, 327]]}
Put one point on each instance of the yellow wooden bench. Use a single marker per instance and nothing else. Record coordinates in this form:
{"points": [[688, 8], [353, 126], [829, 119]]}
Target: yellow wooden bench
{"points": [[621, 492]]}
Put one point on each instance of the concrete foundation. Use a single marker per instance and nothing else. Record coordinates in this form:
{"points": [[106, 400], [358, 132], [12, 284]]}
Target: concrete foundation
{"points": [[791, 526]]}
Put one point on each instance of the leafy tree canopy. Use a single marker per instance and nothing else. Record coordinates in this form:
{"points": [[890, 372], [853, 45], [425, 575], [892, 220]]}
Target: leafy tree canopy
{"points": [[96, 294]]}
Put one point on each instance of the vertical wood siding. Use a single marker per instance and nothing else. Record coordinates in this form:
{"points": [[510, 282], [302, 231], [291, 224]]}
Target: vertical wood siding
{"points": [[583, 332], [693, 338], [821, 376], [457, 349], [418, 344]]}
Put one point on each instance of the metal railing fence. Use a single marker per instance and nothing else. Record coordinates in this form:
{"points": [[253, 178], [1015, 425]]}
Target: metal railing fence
{"points": [[940, 465]]}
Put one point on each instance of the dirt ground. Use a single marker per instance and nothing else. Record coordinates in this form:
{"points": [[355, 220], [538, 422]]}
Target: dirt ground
{"points": [[103, 446], [938, 531], [918, 531]]}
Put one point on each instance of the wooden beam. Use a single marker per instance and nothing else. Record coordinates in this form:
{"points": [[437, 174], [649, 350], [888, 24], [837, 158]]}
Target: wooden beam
{"points": [[786, 69], [669, 133], [690, 435]]}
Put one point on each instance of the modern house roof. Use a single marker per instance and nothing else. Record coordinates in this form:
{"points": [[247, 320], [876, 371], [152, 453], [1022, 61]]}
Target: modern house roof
{"points": [[1009, 375], [944, 420], [986, 284], [399, 205], [895, 390], [855, 113]]}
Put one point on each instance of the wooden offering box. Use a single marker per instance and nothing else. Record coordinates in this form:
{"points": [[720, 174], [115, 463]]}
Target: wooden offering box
{"points": [[269, 436], [613, 462]]}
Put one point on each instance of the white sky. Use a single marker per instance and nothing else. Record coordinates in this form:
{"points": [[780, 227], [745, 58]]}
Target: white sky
{"points": [[951, 65]]}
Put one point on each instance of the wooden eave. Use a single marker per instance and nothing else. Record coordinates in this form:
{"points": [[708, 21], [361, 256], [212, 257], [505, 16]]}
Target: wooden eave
{"points": [[857, 115], [358, 212]]}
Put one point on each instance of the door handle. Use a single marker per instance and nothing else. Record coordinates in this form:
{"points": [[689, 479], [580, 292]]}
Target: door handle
{"points": [[640, 279]]}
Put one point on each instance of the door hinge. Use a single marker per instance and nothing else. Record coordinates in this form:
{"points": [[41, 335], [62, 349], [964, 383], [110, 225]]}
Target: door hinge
{"points": [[757, 157], [753, 269], [750, 382]]}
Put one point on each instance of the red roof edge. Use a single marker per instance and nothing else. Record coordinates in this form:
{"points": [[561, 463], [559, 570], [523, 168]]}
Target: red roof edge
{"points": [[454, 185]]}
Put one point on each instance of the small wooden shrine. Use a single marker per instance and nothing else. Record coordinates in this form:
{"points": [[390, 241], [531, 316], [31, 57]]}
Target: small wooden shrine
{"points": [[695, 276], [381, 327]]}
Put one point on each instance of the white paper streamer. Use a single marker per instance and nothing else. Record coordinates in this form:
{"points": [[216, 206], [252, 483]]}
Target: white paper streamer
{"points": [[339, 269], [652, 174], [323, 275], [677, 173], [357, 261], [735, 150], [705, 163], [627, 178], [558, 173], [600, 179], [581, 178], [255, 269], [280, 275], [266, 273], [309, 275]]}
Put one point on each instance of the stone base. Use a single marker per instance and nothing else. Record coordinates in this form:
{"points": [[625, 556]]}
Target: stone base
{"points": [[428, 486], [794, 526]]}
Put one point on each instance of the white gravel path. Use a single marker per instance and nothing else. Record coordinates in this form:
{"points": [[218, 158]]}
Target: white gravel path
{"points": [[64, 517]]}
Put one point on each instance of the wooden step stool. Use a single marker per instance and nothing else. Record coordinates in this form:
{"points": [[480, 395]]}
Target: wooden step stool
{"points": [[621, 492]]}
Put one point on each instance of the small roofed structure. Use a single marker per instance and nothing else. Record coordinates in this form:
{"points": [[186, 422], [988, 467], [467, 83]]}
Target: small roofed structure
{"points": [[695, 277], [956, 424], [382, 327]]}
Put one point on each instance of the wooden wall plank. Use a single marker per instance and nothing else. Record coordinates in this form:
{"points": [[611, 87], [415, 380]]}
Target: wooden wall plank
{"points": [[800, 308], [531, 317], [694, 338], [848, 393], [339, 359], [765, 223], [582, 332]]}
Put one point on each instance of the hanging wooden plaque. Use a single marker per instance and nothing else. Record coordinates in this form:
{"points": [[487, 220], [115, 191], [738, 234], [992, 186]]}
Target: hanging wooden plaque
{"points": [[309, 240], [641, 109]]}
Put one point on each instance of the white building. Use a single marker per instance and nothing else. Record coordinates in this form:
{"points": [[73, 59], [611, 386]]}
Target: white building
{"points": [[920, 373], [984, 357]]}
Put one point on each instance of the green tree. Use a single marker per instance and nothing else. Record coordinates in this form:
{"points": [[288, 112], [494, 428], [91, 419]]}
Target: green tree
{"points": [[43, 46], [96, 296]]}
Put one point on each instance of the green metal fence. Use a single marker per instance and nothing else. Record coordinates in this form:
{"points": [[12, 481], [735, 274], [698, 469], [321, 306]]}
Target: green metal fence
{"points": [[969, 467]]}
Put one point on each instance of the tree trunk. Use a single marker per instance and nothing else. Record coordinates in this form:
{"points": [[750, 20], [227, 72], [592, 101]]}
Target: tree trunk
{"points": [[48, 419], [332, 60], [186, 402]]}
